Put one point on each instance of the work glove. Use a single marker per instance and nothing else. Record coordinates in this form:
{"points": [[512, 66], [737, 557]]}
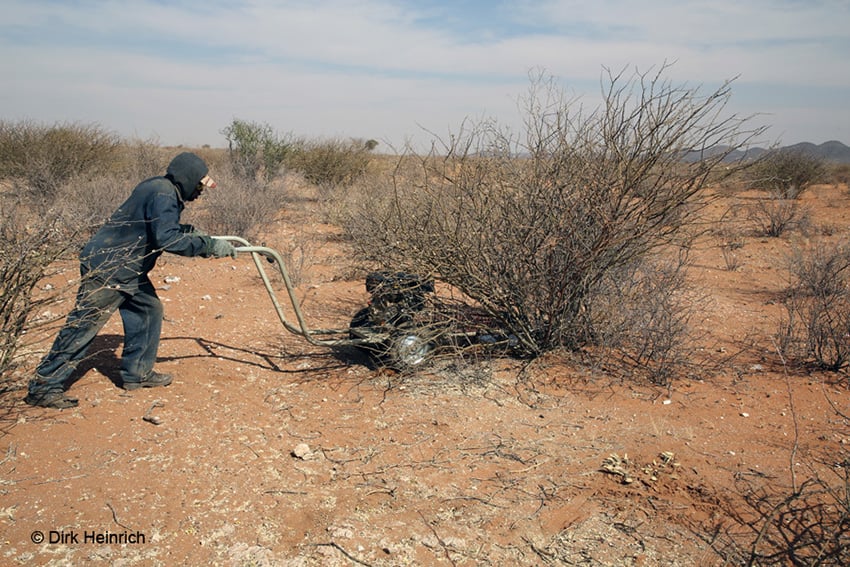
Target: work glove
{"points": [[221, 248]]}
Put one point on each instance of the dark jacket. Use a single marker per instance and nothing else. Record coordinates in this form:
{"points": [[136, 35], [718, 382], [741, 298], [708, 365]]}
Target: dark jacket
{"points": [[126, 248]]}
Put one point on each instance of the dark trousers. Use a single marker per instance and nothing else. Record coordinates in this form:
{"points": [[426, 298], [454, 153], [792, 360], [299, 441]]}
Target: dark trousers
{"points": [[141, 314]]}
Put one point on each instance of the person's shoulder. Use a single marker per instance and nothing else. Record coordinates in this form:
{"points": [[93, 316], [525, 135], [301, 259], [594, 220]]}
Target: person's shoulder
{"points": [[155, 186]]}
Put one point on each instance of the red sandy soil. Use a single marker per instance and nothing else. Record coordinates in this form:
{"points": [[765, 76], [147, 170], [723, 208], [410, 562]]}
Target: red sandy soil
{"points": [[269, 451]]}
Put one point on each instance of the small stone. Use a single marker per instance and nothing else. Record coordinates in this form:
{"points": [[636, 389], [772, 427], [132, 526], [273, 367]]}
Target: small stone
{"points": [[341, 532], [455, 542], [430, 541], [302, 451], [172, 279]]}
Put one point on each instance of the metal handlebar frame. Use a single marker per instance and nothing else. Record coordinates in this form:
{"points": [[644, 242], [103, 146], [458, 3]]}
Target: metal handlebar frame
{"points": [[301, 329]]}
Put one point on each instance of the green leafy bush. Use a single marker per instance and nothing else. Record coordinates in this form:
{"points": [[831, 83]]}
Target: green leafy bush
{"points": [[256, 149]]}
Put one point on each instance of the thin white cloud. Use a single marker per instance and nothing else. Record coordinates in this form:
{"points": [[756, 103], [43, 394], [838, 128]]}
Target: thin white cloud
{"points": [[376, 68]]}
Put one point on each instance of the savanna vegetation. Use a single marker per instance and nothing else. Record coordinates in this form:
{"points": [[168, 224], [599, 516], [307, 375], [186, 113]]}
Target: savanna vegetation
{"points": [[572, 234]]}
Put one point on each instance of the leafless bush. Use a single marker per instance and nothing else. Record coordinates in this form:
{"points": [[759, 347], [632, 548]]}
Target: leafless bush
{"points": [[728, 250], [728, 230], [839, 173], [641, 313], [775, 215], [786, 174], [297, 254], [29, 244], [83, 204], [534, 228], [45, 157], [807, 525], [240, 206], [141, 159], [817, 323]]}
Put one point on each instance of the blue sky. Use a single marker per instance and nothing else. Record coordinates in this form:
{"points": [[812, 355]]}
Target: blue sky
{"points": [[398, 71]]}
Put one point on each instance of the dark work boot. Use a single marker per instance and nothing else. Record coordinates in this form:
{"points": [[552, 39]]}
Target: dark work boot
{"points": [[55, 399], [152, 380]]}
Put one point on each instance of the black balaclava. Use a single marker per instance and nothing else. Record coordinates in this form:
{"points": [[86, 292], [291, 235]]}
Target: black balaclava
{"points": [[186, 171]]}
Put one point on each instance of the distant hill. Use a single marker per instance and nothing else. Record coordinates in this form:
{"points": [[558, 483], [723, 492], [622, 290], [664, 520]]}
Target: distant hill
{"points": [[830, 151], [833, 151]]}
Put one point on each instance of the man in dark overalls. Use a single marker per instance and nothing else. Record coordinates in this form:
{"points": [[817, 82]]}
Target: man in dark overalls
{"points": [[114, 268]]}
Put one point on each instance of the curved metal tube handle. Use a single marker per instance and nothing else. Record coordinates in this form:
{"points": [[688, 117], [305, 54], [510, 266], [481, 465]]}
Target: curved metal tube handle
{"points": [[301, 328]]}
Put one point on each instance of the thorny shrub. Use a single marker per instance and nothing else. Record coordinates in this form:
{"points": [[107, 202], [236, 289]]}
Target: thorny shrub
{"points": [[29, 244], [537, 228], [83, 204], [85, 201], [775, 215], [817, 305], [45, 157], [730, 237], [641, 315], [239, 206], [332, 164], [804, 525], [141, 159], [786, 173], [839, 173]]}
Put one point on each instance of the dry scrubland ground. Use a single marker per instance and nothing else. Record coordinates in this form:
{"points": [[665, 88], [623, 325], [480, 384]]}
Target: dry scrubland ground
{"points": [[271, 452]]}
